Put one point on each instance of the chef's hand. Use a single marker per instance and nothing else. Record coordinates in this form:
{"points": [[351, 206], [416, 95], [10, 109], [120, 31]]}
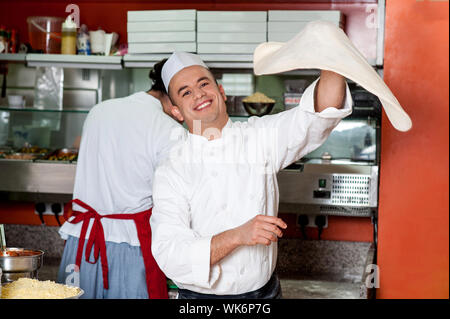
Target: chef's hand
{"points": [[258, 230], [261, 230]]}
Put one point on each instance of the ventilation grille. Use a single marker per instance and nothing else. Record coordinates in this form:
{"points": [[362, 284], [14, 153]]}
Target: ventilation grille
{"points": [[350, 189], [345, 211]]}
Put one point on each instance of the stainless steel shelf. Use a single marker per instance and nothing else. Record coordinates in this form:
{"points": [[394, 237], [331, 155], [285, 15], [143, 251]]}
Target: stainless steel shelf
{"points": [[12, 57], [214, 61], [223, 61], [75, 61], [32, 109]]}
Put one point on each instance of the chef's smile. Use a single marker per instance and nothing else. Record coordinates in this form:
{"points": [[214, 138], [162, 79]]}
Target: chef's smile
{"points": [[202, 106]]}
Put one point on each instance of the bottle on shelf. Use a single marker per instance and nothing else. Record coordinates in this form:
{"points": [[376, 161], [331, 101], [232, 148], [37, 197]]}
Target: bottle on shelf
{"points": [[69, 37]]}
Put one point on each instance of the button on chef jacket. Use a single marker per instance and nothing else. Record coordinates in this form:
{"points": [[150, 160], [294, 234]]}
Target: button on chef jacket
{"points": [[123, 140], [207, 187]]}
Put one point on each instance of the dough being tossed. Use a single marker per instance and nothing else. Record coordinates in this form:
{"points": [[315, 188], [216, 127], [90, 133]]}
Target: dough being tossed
{"points": [[322, 45]]}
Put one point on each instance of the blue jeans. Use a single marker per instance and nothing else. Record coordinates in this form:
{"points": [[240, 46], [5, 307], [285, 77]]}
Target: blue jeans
{"points": [[271, 290]]}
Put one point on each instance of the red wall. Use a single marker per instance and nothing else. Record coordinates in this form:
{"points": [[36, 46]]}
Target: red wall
{"points": [[414, 184]]}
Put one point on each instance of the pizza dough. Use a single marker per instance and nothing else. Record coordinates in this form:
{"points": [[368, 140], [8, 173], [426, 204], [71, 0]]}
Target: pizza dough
{"points": [[322, 45]]}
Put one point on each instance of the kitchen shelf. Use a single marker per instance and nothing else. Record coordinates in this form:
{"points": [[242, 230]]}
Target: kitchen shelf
{"points": [[214, 61], [12, 57], [75, 61], [32, 109], [235, 61]]}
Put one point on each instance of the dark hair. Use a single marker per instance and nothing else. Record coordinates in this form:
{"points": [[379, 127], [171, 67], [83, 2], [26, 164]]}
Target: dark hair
{"points": [[155, 77]]}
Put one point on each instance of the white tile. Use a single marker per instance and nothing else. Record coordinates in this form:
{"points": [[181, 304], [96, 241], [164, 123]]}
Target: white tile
{"points": [[161, 47], [161, 15], [241, 16], [176, 36], [231, 37], [161, 26]]}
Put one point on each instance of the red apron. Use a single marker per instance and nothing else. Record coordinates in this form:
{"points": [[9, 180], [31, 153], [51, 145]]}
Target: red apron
{"points": [[155, 278]]}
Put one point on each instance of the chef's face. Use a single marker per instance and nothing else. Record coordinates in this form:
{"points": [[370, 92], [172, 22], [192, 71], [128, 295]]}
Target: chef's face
{"points": [[197, 97]]}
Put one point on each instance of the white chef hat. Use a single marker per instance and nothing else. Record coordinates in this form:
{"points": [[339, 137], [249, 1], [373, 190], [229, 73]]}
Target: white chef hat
{"points": [[176, 62]]}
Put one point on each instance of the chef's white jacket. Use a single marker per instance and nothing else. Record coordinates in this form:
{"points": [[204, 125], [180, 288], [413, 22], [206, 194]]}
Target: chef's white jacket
{"points": [[207, 187], [123, 140]]}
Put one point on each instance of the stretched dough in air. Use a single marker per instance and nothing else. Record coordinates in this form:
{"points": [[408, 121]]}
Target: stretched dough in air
{"points": [[322, 45]]}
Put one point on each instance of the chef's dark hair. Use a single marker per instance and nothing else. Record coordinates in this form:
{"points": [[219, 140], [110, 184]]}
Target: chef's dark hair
{"points": [[155, 76]]}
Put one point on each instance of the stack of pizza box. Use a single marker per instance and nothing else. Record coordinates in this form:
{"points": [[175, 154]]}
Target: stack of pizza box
{"points": [[161, 31]]}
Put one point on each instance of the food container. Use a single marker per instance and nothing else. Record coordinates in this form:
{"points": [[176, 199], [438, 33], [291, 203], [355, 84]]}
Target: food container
{"points": [[44, 33], [20, 262], [291, 100], [258, 109]]}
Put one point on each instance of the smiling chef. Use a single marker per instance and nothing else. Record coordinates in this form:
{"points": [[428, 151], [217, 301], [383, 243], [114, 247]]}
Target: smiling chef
{"points": [[214, 222]]}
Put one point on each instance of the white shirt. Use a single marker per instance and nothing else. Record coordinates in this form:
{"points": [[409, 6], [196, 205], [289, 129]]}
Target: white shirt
{"points": [[123, 140], [207, 187]]}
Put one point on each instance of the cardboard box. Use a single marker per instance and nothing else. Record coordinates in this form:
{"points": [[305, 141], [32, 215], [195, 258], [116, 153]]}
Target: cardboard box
{"points": [[176, 36], [304, 15], [289, 27], [231, 37], [280, 36], [161, 47], [161, 15], [233, 48], [232, 27], [161, 26], [232, 16]]}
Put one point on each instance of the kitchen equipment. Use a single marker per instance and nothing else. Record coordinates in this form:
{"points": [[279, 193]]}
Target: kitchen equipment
{"points": [[23, 263], [44, 33], [258, 109], [97, 41], [2, 240], [16, 101]]}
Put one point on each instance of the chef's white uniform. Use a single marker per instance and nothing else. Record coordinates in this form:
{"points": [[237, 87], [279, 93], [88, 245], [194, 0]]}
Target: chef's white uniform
{"points": [[207, 187]]}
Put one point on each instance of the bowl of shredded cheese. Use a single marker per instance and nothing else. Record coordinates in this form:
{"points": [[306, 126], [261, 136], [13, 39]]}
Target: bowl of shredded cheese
{"points": [[27, 288], [258, 104]]}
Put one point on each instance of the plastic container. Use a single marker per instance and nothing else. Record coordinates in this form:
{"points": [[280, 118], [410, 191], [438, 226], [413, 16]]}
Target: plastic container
{"points": [[44, 33], [69, 37]]}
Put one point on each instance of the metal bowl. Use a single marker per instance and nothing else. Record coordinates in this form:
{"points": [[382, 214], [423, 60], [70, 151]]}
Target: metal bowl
{"points": [[21, 264], [258, 109]]}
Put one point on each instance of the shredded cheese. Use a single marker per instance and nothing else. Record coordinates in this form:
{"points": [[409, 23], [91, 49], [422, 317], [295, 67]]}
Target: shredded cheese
{"points": [[26, 288]]}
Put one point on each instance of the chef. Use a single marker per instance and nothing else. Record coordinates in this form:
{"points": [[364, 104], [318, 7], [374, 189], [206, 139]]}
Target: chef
{"points": [[108, 236], [214, 221]]}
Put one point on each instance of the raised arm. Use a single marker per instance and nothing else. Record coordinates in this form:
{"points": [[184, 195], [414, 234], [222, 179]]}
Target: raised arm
{"points": [[329, 91]]}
